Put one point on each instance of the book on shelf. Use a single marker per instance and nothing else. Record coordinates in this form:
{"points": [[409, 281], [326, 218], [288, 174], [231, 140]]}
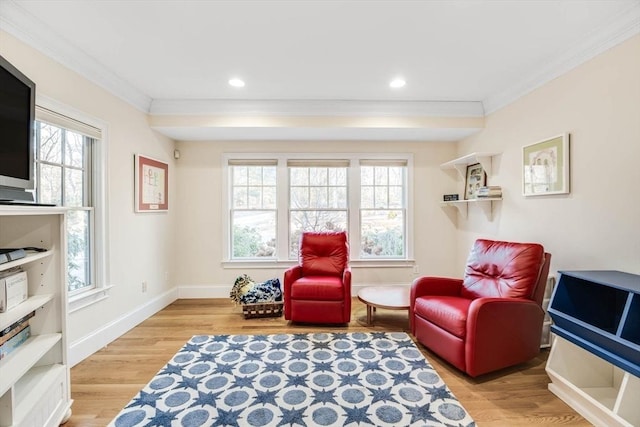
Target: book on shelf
{"points": [[492, 191], [15, 331], [16, 324], [15, 342]]}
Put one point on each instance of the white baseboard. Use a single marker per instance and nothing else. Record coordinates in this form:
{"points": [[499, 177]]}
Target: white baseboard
{"points": [[87, 345], [222, 291], [203, 291]]}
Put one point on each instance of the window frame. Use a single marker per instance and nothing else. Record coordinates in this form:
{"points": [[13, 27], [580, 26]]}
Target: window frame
{"points": [[385, 163], [87, 190], [233, 209], [282, 206], [98, 181], [291, 209]]}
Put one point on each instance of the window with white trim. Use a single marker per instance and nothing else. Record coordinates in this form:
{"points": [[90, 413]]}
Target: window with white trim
{"points": [[317, 198], [253, 209], [64, 159], [383, 209], [272, 201]]}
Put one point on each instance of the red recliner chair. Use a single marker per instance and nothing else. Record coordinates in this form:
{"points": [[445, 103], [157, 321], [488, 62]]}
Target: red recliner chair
{"points": [[490, 319], [318, 290]]}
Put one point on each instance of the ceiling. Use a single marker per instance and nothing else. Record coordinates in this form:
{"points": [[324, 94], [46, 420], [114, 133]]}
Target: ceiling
{"points": [[320, 58]]}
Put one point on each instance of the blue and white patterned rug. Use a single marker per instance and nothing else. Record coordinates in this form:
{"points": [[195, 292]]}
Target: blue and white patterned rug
{"points": [[320, 379]]}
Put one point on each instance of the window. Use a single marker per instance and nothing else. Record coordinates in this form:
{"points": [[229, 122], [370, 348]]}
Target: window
{"points": [[253, 209], [63, 177], [317, 199], [271, 202], [65, 159], [382, 209]]}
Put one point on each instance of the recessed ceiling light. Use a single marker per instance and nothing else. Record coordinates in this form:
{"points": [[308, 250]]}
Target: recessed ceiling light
{"points": [[236, 82], [397, 83]]}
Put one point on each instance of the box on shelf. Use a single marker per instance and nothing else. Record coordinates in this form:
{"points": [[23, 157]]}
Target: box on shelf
{"points": [[13, 288], [450, 197]]}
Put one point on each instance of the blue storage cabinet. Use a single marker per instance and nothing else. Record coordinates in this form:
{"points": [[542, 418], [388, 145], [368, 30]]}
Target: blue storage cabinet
{"points": [[594, 363]]}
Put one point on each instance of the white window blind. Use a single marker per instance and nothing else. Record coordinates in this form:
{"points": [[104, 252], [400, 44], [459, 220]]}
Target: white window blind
{"points": [[315, 163]]}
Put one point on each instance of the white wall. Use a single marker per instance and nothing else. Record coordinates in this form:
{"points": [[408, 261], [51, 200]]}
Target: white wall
{"points": [[200, 243], [597, 226], [141, 245]]}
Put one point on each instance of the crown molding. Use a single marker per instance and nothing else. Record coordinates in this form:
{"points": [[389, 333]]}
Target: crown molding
{"points": [[305, 134], [623, 27], [35, 33], [16, 21], [233, 107]]}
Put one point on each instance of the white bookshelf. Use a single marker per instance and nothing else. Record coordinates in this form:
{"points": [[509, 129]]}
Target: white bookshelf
{"points": [[34, 378]]}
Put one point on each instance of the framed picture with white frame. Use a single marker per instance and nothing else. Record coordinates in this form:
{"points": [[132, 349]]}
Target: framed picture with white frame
{"points": [[476, 177], [545, 167]]}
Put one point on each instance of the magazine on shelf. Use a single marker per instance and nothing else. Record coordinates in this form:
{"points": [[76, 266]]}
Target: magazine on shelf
{"points": [[15, 342], [15, 331], [16, 324]]}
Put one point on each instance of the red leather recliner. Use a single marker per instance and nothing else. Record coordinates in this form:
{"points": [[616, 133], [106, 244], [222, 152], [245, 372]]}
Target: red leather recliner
{"points": [[493, 317], [318, 290]]}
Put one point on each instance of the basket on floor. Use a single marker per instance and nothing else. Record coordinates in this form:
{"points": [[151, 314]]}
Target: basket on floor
{"points": [[262, 309]]}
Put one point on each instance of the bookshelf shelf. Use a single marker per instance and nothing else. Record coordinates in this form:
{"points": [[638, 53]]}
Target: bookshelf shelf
{"points": [[31, 304], [39, 387], [34, 377], [25, 357], [30, 257]]}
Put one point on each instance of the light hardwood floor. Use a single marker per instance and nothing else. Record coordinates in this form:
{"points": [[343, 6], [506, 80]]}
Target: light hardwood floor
{"points": [[103, 384]]}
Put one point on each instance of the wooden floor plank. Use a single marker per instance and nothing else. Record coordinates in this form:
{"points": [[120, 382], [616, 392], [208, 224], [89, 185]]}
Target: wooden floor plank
{"points": [[105, 382]]}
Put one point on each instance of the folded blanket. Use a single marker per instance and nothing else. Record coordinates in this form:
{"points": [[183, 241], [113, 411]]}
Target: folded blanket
{"points": [[246, 291]]}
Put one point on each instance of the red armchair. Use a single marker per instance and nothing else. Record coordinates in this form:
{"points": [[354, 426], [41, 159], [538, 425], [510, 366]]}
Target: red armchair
{"points": [[318, 290], [490, 319]]}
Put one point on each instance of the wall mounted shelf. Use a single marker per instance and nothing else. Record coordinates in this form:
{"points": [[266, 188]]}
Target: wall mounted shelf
{"points": [[463, 205], [460, 164]]}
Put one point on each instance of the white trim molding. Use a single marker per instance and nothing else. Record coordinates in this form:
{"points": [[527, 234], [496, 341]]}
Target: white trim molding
{"points": [[318, 108], [27, 28], [89, 344], [623, 27], [223, 290]]}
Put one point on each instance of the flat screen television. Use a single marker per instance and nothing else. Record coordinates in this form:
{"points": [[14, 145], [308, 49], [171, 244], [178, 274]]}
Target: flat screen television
{"points": [[17, 116]]}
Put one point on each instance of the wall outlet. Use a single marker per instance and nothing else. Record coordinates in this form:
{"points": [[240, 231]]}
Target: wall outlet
{"points": [[144, 286]]}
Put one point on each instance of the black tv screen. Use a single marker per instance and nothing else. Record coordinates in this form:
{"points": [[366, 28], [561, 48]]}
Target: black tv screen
{"points": [[17, 108]]}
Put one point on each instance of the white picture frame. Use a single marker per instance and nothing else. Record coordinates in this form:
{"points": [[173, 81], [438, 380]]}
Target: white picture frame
{"points": [[545, 167]]}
